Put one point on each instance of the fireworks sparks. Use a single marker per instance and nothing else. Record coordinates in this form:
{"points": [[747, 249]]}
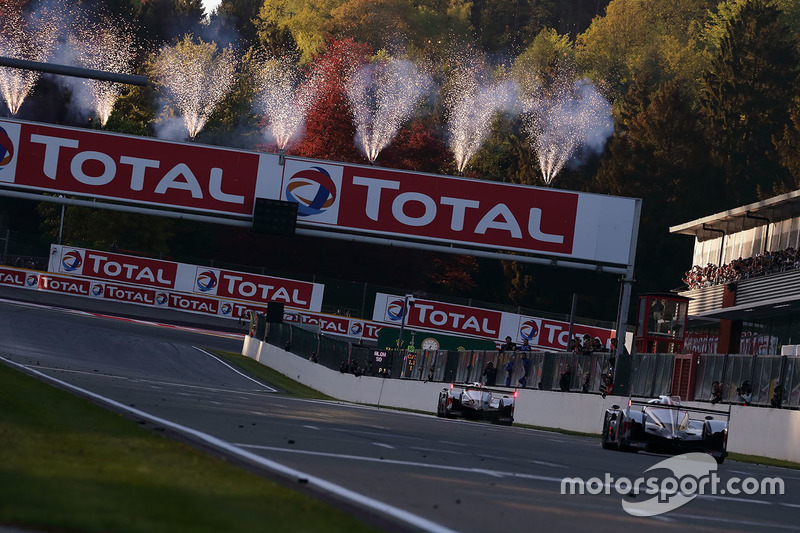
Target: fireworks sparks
{"points": [[285, 99], [382, 97], [29, 36], [569, 117], [471, 108], [195, 78], [107, 46]]}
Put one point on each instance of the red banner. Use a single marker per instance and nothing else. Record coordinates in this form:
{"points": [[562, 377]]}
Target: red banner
{"points": [[139, 169], [117, 267]]}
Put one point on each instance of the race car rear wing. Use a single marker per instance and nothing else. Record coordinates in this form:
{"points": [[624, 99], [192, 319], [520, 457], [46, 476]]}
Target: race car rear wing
{"points": [[680, 406], [512, 391]]}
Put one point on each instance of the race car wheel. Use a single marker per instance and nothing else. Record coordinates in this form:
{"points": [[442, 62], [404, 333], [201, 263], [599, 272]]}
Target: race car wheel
{"points": [[606, 439]]}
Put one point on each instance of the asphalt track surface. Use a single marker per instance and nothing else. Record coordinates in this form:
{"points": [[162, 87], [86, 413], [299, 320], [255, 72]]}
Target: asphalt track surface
{"points": [[403, 471]]}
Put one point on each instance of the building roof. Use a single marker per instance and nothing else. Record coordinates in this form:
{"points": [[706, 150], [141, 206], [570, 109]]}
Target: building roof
{"points": [[742, 218]]}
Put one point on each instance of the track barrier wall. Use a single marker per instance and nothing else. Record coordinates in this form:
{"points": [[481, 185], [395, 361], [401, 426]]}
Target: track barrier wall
{"points": [[753, 430]]}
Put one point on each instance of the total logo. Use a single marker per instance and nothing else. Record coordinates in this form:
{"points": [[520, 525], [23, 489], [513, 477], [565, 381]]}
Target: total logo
{"points": [[97, 289], [207, 281], [313, 189], [529, 330], [32, 280], [162, 298], [226, 309], [356, 328], [6, 148], [71, 261], [394, 310]]}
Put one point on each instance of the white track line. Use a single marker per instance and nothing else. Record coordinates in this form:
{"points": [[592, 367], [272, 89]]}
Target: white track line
{"points": [[236, 370], [347, 494]]}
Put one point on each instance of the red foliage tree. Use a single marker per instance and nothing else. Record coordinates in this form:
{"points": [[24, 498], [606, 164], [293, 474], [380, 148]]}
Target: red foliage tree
{"points": [[418, 147], [329, 124]]}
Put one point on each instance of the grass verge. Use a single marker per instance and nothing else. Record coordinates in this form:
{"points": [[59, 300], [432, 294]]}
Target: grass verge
{"points": [[69, 465], [273, 377], [759, 460]]}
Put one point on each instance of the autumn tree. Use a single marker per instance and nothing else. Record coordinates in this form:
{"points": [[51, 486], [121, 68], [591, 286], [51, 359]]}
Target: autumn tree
{"points": [[746, 99], [329, 124]]}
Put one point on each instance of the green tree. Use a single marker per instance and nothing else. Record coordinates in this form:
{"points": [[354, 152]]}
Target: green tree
{"points": [[239, 15], [657, 40], [305, 21], [660, 157], [548, 55], [99, 228], [746, 99]]}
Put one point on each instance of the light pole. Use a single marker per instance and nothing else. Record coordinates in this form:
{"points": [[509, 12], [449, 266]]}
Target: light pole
{"points": [[61, 225]]}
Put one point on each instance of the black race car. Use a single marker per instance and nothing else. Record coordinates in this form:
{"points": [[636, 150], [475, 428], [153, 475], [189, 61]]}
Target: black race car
{"points": [[663, 425], [476, 402]]}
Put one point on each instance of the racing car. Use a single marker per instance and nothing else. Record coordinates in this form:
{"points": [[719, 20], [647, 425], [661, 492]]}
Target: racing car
{"points": [[476, 402], [663, 425]]}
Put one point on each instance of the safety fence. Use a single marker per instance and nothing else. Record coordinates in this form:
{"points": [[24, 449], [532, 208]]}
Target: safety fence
{"points": [[650, 375], [774, 380], [520, 369]]}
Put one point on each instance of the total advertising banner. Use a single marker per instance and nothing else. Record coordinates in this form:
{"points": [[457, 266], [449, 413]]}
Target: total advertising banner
{"points": [[101, 289], [541, 333], [87, 162], [446, 209], [16, 277], [185, 278], [358, 200]]}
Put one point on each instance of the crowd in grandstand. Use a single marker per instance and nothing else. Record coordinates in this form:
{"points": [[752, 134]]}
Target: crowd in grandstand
{"points": [[766, 263]]}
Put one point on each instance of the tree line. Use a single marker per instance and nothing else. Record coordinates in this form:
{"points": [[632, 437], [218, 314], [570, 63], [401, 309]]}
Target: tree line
{"points": [[704, 97]]}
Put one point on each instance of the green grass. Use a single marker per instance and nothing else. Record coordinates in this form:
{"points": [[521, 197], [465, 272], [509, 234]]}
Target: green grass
{"points": [[264, 373], [759, 460], [69, 465]]}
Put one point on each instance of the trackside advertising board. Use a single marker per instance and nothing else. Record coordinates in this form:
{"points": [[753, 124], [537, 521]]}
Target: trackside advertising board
{"points": [[447, 209], [428, 315], [361, 201], [178, 301], [181, 277], [45, 158]]}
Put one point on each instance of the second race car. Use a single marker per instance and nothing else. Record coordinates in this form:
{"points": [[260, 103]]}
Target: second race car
{"points": [[663, 425], [477, 402]]}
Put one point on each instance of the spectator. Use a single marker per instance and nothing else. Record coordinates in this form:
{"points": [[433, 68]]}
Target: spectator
{"points": [[777, 396], [566, 379], [526, 366], [761, 264], [586, 347], [509, 346], [587, 377], [509, 371], [745, 392], [572, 346], [597, 345], [343, 367], [614, 347], [716, 392], [607, 385], [525, 346], [490, 373]]}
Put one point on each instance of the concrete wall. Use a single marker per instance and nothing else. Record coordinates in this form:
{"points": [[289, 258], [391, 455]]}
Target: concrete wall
{"points": [[752, 430], [766, 432]]}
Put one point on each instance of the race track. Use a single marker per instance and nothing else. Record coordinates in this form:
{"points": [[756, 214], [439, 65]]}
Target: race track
{"points": [[416, 471]]}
